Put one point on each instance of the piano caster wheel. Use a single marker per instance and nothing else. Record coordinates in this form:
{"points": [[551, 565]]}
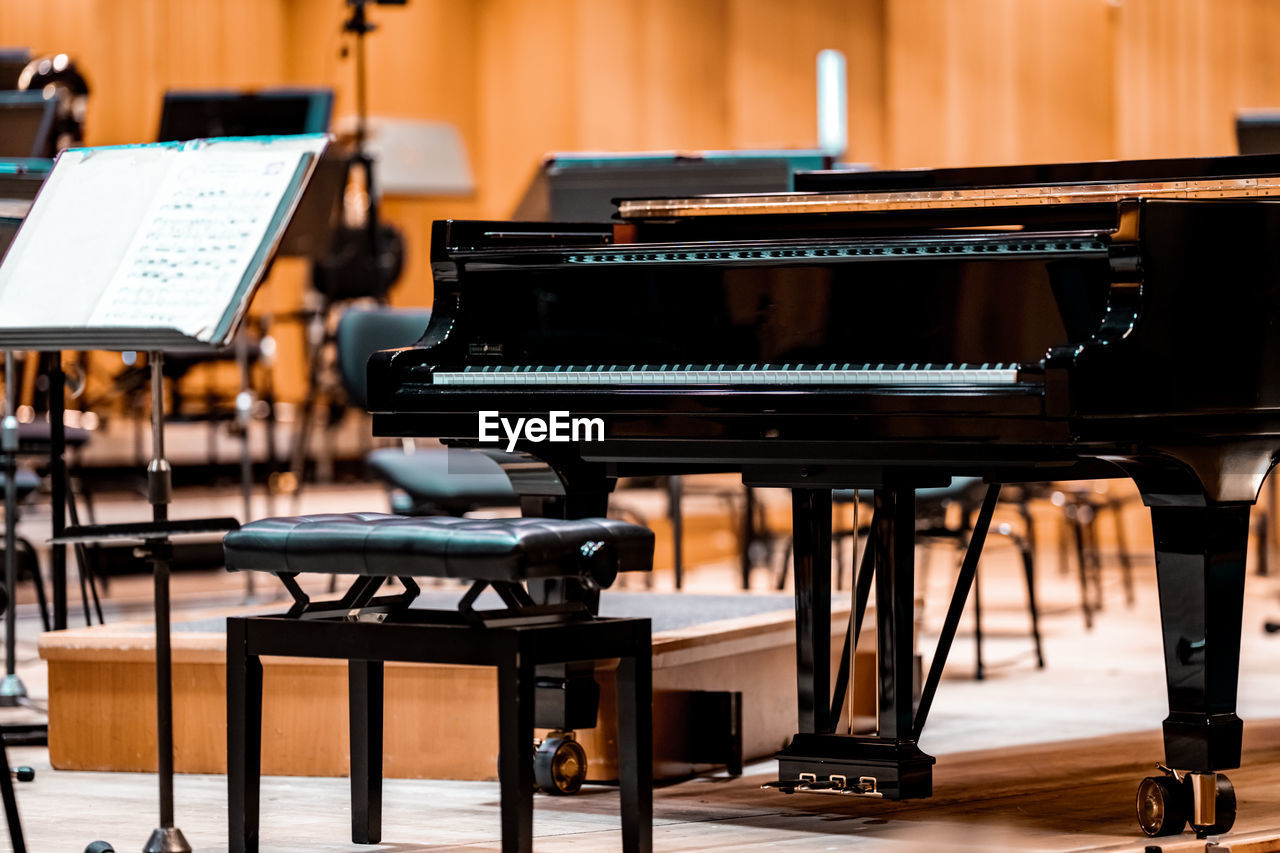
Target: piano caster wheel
{"points": [[1164, 805], [1224, 809], [100, 847], [560, 764]]}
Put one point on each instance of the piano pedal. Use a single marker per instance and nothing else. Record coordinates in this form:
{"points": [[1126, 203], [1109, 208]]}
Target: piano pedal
{"points": [[808, 783]]}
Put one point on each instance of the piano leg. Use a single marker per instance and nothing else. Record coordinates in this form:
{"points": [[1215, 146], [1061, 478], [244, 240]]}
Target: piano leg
{"points": [[811, 528], [1200, 569], [567, 695], [579, 503], [889, 765], [895, 609]]}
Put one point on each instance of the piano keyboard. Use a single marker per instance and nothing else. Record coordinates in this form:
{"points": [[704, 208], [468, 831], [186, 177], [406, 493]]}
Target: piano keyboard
{"points": [[733, 374]]}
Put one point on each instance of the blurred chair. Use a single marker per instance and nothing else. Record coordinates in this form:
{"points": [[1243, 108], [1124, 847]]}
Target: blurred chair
{"points": [[358, 262], [35, 443], [422, 482], [1082, 504], [933, 508], [28, 565]]}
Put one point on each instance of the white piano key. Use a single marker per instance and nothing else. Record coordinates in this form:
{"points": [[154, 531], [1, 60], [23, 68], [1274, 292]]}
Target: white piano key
{"points": [[742, 375]]}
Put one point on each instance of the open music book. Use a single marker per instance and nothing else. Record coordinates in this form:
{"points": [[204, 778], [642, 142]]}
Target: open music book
{"points": [[150, 247]]}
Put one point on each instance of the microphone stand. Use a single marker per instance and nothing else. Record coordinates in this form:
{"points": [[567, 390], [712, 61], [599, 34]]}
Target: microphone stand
{"points": [[360, 25]]}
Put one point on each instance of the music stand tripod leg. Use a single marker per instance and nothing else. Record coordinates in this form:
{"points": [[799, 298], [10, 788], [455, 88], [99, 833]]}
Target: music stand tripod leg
{"points": [[57, 487], [12, 690], [244, 419], [166, 838], [16, 837]]}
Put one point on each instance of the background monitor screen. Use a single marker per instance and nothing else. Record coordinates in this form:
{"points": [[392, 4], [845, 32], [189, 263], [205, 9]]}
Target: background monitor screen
{"points": [[1258, 133], [268, 112], [26, 124], [20, 180], [12, 62]]}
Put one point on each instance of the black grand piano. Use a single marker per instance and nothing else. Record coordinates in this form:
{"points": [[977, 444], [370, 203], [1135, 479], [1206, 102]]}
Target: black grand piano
{"points": [[888, 331]]}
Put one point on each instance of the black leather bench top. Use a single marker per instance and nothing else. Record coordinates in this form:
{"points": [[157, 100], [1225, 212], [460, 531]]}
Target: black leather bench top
{"points": [[498, 549]]}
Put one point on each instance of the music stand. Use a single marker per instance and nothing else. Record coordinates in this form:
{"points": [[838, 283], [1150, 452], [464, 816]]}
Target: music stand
{"points": [[200, 113], [170, 268], [19, 182]]}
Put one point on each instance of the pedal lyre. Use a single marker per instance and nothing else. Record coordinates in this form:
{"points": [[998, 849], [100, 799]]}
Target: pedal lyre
{"points": [[808, 783]]}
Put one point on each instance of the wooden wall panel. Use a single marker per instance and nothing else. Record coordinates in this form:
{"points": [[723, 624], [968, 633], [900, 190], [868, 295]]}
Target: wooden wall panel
{"points": [[612, 92], [525, 90], [132, 50], [422, 61], [684, 62], [997, 81], [662, 75], [1184, 69], [931, 82], [772, 67]]}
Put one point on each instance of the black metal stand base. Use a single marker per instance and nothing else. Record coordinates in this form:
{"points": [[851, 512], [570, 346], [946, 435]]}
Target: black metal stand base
{"points": [[855, 765], [16, 838], [156, 548], [12, 691], [167, 839]]}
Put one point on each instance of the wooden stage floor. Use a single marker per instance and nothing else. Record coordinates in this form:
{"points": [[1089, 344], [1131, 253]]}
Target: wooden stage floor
{"points": [[1065, 796], [1043, 760]]}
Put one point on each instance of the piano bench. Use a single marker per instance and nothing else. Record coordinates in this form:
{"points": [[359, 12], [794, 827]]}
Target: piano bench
{"points": [[522, 641], [375, 544]]}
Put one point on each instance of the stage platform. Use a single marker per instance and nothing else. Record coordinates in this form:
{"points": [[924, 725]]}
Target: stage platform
{"points": [[441, 721]]}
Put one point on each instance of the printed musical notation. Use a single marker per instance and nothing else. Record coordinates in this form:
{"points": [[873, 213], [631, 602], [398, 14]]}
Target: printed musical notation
{"points": [[196, 242]]}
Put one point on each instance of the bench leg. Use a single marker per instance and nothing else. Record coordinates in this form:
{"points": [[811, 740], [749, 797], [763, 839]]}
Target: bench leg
{"points": [[364, 691], [635, 749], [515, 754], [244, 739]]}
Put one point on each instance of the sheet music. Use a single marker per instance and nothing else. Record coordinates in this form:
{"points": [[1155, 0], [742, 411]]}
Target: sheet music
{"points": [[75, 236], [206, 222], [150, 246]]}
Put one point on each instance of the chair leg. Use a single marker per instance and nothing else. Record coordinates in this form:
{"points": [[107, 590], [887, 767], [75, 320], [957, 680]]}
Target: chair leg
{"points": [[1083, 563], [28, 557], [1094, 552], [364, 693], [978, 674], [837, 551], [675, 512], [244, 739], [635, 749], [1024, 510], [515, 754], [784, 568], [747, 531], [1065, 527], [1122, 545], [1029, 572]]}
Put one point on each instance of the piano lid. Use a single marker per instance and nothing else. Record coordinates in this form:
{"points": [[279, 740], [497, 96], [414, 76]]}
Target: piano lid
{"points": [[1040, 174], [988, 186]]}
